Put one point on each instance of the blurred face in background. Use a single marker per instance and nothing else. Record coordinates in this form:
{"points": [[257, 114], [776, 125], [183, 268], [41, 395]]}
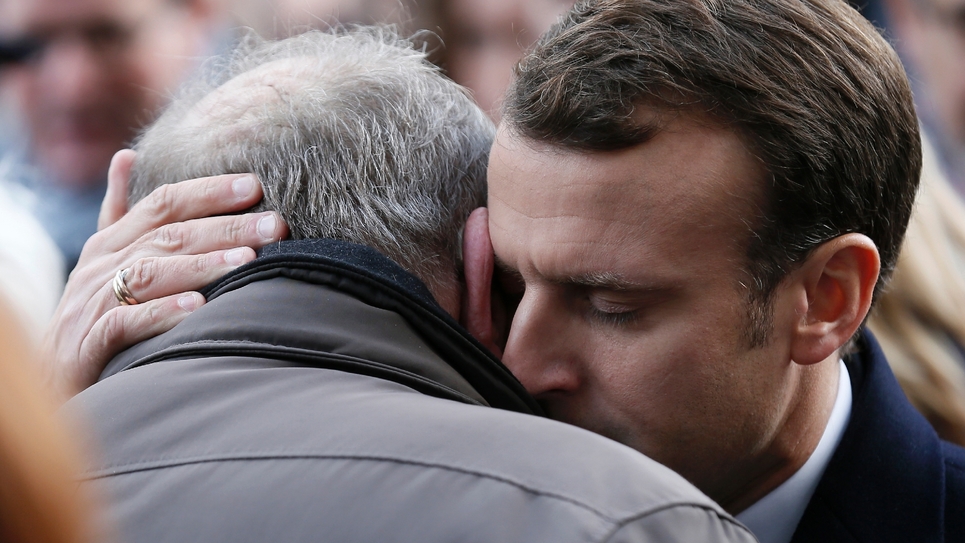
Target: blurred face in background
{"points": [[283, 18], [932, 34], [84, 75], [486, 38]]}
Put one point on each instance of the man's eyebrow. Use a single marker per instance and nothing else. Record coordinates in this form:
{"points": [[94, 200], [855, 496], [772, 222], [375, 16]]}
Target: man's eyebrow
{"points": [[602, 280], [606, 280]]}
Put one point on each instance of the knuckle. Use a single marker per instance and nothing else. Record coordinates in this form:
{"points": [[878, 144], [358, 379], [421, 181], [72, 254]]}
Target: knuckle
{"points": [[200, 264], [82, 273], [211, 191], [93, 256], [161, 202], [154, 312], [111, 329], [169, 238], [109, 335], [141, 274], [95, 244], [234, 231]]}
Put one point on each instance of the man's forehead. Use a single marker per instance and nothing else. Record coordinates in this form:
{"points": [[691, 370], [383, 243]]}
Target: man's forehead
{"points": [[688, 195], [690, 162]]}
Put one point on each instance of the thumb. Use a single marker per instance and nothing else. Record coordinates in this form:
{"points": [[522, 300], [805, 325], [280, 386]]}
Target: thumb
{"points": [[114, 205]]}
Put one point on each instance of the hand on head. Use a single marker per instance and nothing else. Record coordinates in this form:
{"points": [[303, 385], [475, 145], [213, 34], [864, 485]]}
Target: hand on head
{"points": [[173, 242]]}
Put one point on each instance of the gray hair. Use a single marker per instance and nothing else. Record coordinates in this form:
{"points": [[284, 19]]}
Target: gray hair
{"points": [[353, 134]]}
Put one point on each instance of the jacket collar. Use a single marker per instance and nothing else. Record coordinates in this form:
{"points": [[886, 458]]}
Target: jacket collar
{"points": [[338, 325], [886, 481]]}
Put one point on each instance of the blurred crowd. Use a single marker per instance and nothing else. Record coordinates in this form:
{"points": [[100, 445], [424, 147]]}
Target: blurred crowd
{"points": [[80, 78]]}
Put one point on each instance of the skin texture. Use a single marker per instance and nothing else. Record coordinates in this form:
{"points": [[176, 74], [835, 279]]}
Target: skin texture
{"points": [[108, 66], [631, 318]]}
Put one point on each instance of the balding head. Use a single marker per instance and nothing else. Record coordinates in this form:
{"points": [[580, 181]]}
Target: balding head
{"points": [[353, 135]]}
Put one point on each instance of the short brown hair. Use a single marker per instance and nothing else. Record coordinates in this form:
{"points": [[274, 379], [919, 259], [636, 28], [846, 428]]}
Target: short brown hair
{"points": [[817, 94]]}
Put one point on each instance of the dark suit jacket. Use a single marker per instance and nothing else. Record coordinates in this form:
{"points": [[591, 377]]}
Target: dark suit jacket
{"points": [[891, 478]]}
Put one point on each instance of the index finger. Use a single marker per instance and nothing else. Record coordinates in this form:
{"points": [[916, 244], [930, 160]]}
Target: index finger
{"points": [[179, 202]]}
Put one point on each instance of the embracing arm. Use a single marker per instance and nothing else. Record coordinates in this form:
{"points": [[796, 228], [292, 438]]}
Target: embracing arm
{"points": [[172, 246]]}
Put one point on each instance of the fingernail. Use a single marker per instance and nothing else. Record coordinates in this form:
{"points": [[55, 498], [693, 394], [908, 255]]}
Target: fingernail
{"points": [[235, 257], [243, 186], [188, 303], [266, 226]]}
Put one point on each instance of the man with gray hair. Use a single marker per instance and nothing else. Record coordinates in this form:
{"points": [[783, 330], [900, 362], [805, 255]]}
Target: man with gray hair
{"points": [[326, 392]]}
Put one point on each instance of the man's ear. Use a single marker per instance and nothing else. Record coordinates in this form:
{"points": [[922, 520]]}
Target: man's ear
{"points": [[478, 262], [838, 282]]}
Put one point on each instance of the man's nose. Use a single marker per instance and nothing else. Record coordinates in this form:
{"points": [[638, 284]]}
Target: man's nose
{"points": [[542, 351]]}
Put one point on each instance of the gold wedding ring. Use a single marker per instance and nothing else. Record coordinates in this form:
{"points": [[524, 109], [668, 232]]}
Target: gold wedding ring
{"points": [[121, 292]]}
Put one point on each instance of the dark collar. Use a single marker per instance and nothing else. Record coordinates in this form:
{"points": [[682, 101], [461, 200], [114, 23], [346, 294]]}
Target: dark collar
{"points": [[371, 281], [886, 480]]}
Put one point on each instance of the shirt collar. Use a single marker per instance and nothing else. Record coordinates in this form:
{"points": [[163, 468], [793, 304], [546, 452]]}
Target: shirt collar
{"points": [[774, 517]]}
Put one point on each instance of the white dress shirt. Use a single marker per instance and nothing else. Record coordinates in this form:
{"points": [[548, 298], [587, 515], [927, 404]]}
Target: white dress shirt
{"points": [[774, 517]]}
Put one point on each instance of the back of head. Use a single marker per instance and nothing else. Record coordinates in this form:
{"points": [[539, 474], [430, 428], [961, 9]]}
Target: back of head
{"points": [[354, 135], [815, 92]]}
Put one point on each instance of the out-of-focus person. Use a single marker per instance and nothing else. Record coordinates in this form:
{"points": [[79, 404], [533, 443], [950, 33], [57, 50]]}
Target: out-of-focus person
{"points": [[31, 267], [920, 318], [930, 36], [81, 77], [283, 18], [484, 39], [39, 499]]}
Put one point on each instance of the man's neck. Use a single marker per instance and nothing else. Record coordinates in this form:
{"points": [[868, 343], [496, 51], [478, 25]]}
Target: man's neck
{"points": [[775, 517], [807, 414]]}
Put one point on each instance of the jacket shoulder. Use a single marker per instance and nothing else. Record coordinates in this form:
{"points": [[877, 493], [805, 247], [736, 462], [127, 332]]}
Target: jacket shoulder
{"points": [[365, 459]]}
